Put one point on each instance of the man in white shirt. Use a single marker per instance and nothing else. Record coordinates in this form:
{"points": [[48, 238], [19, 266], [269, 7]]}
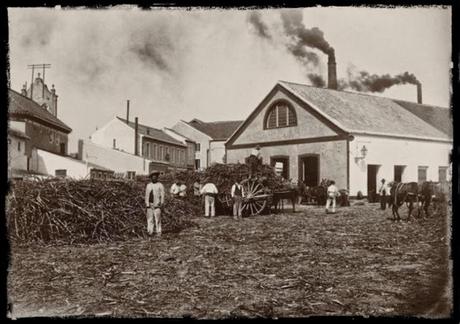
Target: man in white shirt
{"points": [[154, 200], [383, 191], [237, 193], [182, 190], [174, 191], [209, 191], [332, 193]]}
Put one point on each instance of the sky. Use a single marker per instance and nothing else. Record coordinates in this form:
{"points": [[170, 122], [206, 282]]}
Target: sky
{"points": [[218, 64]]}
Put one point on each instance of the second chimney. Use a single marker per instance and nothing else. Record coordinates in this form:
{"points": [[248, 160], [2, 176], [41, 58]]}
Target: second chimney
{"points": [[127, 111], [136, 135], [332, 71], [419, 93]]}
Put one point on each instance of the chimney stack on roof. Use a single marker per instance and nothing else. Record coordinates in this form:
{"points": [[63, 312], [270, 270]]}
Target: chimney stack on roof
{"points": [[127, 111], [419, 93], [136, 135], [332, 71]]}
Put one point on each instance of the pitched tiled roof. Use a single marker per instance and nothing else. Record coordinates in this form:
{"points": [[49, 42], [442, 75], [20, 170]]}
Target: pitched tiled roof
{"points": [[153, 133], [218, 130], [438, 117], [185, 137], [23, 106], [363, 113]]}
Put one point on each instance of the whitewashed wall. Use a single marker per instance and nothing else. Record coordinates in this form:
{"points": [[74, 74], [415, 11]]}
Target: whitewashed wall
{"points": [[17, 158], [115, 129], [113, 159], [388, 152], [216, 152], [18, 125], [198, 137], [47, 163]]}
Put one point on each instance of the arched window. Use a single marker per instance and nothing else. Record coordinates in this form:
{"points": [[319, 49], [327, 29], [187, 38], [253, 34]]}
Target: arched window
{"points": [[280, 114]]}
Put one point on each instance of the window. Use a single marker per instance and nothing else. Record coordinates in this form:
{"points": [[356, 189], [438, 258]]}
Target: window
{"points": [[422, 171], [442, 174], [197, 147], [280, 114], [51, 137], [131, 175], [19, 146], [114, 143], [147, 149], [160, 157], [197, 164], [60, 172], [154, 151]]}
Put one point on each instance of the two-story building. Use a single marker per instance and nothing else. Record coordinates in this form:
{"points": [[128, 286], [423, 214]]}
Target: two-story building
{"points": [[159, 150]]}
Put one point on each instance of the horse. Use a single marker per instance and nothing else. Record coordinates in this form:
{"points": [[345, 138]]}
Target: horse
{"points": [[319, 193], [433, 192], [279, 196], [403, 193]]}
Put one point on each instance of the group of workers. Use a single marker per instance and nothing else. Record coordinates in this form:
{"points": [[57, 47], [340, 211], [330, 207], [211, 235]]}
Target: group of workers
{"points": [[155, 195]]}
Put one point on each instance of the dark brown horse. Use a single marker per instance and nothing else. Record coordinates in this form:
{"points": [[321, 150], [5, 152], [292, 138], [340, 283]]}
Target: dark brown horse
{"points": [[401, 193], [433, 192]]}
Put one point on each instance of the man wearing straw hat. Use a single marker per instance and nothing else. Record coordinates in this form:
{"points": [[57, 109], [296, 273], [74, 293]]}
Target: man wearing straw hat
{"points": [[154, 200]]}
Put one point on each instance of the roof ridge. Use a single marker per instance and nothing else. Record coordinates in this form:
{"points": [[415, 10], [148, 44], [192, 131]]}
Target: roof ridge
{"points": [[360, 93]]}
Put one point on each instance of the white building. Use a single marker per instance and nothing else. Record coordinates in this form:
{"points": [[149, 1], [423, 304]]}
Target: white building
{"points": [[143, 148], [209, 137], [355, 139]]}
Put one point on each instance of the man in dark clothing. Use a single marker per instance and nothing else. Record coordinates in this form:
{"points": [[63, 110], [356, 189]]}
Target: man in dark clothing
{"points": [[237, 193]]}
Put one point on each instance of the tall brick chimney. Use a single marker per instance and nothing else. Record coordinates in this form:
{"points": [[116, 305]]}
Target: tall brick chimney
{"points": [[136, 135], [127, 111], [419, 93], [332, 71]]}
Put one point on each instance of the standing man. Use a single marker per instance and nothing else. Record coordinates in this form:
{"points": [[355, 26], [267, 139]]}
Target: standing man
{"points": [[182, 190], [154, 200], [174, 191], [383, 190], [237, 195], [209, 191], [332, 193]]}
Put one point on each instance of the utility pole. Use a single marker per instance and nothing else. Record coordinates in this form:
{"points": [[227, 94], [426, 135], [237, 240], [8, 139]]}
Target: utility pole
{"points": [[38, 66]]}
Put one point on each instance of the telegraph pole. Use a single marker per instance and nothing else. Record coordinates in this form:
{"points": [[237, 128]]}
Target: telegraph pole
{"points": [[38, 66]]}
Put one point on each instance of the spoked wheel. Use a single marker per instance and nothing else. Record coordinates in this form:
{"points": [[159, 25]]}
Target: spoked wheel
{"points": [[255, 200]]}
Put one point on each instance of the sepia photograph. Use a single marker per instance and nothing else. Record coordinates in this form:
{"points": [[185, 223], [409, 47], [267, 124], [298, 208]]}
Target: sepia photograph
{"points": [[229, 163]]}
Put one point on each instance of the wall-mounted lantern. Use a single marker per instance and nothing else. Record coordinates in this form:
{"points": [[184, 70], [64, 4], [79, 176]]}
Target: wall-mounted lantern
{"points": [[363, 152]]}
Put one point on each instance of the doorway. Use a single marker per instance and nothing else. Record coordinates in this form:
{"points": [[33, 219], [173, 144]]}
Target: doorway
{"points": [[62, 148], [281, 165], [309, 169], [372, 170], [398, 172]]}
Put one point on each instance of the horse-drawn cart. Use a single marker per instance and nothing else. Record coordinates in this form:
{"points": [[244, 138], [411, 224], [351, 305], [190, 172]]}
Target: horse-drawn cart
{"points": [[257, 197]]}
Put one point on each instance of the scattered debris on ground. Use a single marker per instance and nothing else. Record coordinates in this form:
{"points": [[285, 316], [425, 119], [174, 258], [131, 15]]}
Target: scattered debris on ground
{"points": [[354, 262]]}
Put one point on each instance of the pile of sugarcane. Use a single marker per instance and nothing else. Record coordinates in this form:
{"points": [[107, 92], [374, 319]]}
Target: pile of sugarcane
{"points": [[224, 176], [86, 211]]}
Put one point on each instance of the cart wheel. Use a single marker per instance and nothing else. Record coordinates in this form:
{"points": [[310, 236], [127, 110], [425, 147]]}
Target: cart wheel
{"points": [[255, 198]]}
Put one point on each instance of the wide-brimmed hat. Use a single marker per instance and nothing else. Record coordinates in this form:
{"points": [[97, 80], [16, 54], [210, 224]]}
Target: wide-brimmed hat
{"points": [[154, 172]]}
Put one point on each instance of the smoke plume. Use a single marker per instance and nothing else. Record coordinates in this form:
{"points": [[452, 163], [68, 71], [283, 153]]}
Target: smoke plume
{"points": [[366, 82], [316, 80], [255, 19], [296, 30]]}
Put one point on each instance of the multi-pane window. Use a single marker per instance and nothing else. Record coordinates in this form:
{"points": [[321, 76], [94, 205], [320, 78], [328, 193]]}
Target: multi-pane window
{"points": [[280, 115], [197, 147], [160, 157], [154, 151], [422, 172]]}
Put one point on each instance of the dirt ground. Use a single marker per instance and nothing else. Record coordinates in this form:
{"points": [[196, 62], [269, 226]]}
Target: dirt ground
{"points": [[355, 262]]}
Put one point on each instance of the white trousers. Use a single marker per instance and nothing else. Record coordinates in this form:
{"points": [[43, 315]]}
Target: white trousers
{"points": [[330, 201], [209, 204], [151, 215]]}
